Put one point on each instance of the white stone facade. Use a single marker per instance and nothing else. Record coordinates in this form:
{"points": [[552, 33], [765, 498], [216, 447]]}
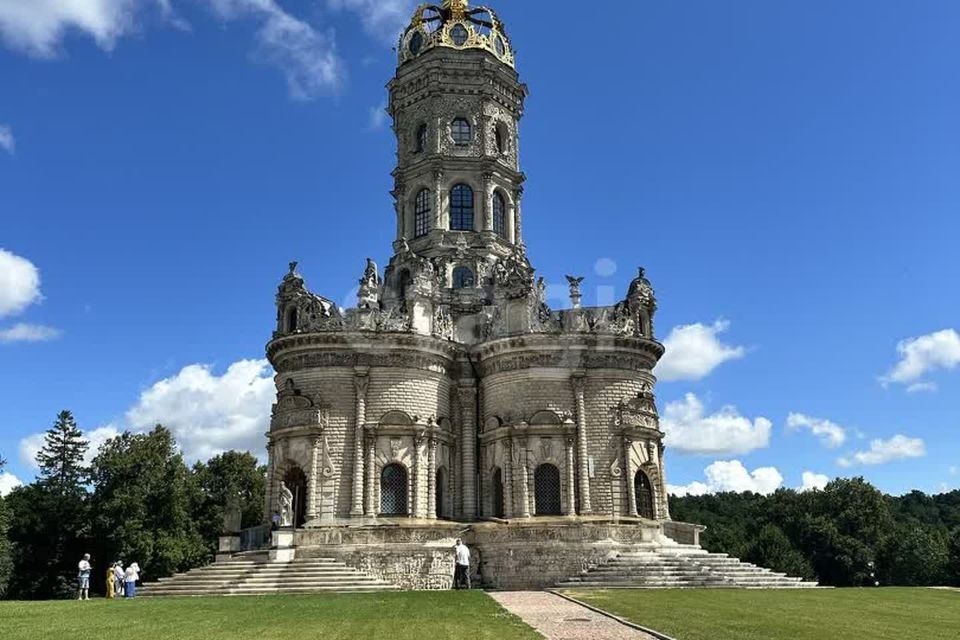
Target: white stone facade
{"points": [[452, 392]]}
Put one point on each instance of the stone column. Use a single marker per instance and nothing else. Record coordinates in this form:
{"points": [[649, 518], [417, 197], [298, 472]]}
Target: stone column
{"points": [[570, 509], [487, 201], [524, 480], [432, 478], [414, 506], [468, 442], [312, 478], [361, 381], [438, 192], [663, 500], [517, 216], [579, 384], [508, 479], [628, 474], [371, 504]]}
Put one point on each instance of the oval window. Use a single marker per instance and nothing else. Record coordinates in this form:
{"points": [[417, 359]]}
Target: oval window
{"points": [[459, 35], [416, 43], [501, 47]]}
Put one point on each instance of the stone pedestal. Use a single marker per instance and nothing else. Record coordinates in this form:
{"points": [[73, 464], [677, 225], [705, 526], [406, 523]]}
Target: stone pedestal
{"points": [[229, 544], [281, 548]]}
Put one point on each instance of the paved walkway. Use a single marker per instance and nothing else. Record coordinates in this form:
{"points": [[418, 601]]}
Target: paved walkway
{"points": [[560, 619]]}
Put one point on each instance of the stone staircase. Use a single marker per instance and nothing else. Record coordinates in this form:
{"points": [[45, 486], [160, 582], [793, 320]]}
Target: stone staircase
{"points": [[255, 574], [681, 567]]}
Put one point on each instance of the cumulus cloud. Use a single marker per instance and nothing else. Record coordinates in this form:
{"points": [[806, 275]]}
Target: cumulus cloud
{"points": [[28, 333], [32, 444], [209, 414], [304, 54], [693, 351], [7, 142], [8, 482], [731, 475], [378, 117], [923, 355], [381, 18], [830, 434], [813, 481], [19, 283], [725, 432], [899, 447]]}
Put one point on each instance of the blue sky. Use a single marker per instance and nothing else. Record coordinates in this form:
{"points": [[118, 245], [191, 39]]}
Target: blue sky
{"points": [[787, 171]]}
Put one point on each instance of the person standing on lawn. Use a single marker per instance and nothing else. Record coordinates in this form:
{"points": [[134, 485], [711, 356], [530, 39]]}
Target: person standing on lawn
{"points": [[83, 577], [130, 580], [461, 575], [118, 574]]}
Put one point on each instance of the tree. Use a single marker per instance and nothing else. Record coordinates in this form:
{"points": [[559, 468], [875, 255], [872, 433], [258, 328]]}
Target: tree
{"points": [[61, 458], [5, 559], [142, 504], [773, 550], [914, 556], [230, 474], [953, 568]]}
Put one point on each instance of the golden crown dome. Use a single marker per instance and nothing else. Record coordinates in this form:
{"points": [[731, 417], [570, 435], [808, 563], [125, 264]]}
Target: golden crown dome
{"points": [[456, 25]]}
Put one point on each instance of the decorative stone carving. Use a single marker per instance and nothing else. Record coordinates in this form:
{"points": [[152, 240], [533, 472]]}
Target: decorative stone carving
{"points": [[369, 294], [286, 506]]}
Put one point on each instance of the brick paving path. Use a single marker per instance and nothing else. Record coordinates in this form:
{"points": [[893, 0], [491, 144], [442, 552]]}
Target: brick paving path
{"points": [[560, 619]]}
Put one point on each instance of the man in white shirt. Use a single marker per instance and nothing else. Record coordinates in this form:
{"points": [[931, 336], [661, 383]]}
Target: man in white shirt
{"points": [[83, 577], [461, 575]]}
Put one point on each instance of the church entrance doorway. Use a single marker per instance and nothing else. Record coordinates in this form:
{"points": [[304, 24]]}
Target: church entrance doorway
{"points": [[296, 481], [547, 490], [644, 491], [393, 490]]}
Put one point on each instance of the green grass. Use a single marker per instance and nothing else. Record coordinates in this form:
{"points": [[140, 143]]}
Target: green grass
{"points": [[395, 616], [823, 614]]}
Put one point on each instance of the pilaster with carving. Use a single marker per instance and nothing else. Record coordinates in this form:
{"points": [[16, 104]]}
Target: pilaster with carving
{"points": [[628, 477], [438, 216], [579, 388], [432, 478], [487, 201], [312, 478], [508, 479], [521, 453], [370, 506], [570, 508], [416, 506], [468, 444], [361, 382]]}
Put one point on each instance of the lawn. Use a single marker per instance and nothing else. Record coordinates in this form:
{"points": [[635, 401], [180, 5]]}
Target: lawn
{"points": [[834, 614], [396, 616]]}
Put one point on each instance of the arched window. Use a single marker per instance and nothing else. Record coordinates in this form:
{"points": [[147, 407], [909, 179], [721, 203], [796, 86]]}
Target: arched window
{"points": [[421, 214], [461, 208], [501, 137], [441, 493], [644, 491], [461, 131], [296, 480], [499, 215], [641, 325], [393, 490], [497, 491], [546, 480], [463, 278], [420, 144], [291, 323]]}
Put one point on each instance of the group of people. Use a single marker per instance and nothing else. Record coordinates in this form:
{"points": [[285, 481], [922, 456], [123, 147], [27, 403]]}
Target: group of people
{"points": [[120, 582]]}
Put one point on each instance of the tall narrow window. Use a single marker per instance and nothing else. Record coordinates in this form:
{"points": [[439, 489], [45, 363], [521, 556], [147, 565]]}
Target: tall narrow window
{"points": [[461, 208], [421, 214], [499, 215], [461, 131], [421, 141], [463, 278]]}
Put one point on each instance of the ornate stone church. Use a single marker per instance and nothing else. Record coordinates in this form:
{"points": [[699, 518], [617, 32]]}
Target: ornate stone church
{"points": [[452, 401]]}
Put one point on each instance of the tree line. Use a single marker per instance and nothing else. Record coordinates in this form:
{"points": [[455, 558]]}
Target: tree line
{"points": [[848, 534], [137, 501]]}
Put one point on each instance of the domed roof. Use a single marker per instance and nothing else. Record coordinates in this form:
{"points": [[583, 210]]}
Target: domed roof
{"points": [[455, 25]]}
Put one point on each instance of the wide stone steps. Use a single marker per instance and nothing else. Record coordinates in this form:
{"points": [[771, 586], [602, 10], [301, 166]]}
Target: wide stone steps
{"points": [[681, 568], [259, 576]]}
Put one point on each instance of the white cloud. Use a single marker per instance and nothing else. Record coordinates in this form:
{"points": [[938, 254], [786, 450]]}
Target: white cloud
{"points": [[28, 333], [209, 414], [378, 117], [830, 434], [923, 387], [731, 476], [382, 18], [693, 351], [305, 55], [923, 355], [7, 142], [8, 482], [29, 448], [813, 481], [19, 283], [32, 444], [899, 447], [723, 433]]}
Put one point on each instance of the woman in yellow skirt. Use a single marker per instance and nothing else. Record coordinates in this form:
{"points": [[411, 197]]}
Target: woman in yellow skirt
{"points": [[110, 592]]}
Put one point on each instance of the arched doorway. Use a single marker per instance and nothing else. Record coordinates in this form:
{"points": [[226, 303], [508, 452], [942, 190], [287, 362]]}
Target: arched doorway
{"points": [[644, 491], [497, 493], [296, 481], [393, 490], [441, 493], [547, 490]]}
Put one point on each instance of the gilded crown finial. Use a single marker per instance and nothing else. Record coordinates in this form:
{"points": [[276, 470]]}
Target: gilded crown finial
{"points": [[458, 8]]}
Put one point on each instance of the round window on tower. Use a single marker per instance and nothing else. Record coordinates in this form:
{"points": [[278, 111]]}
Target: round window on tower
{"points": [[416, 43], [459, 35]]}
